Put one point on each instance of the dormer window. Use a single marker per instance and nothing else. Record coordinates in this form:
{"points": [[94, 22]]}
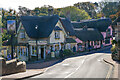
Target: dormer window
{"points": [[22, 35], [57, 34]]}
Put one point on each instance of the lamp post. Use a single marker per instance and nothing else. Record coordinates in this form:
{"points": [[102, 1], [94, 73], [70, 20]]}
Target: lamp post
{"points": [[36, 41]]}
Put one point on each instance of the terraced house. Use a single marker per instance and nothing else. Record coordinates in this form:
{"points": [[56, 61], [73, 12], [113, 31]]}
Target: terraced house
{"points": [[39, 37], [94, 33]]}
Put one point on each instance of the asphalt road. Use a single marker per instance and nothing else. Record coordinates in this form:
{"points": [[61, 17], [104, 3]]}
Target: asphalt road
{"points": [[86, 66]]}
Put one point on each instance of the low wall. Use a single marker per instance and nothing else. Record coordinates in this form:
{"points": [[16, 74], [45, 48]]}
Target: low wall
{"points": [[12, 66]]}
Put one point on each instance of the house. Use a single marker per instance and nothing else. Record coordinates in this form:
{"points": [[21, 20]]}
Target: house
{"points": [[70, 41], [41, 36], [116, 25], [88, 38], [102, 25]]}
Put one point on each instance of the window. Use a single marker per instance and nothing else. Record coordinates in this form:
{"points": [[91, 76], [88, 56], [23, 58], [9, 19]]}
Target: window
{"points": [[95, 43], [57, 34], [107, 41], [22, 35]]}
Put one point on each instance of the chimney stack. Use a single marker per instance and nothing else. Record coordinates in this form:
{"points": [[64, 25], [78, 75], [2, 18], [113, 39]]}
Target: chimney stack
{"points": [[50, 11]]}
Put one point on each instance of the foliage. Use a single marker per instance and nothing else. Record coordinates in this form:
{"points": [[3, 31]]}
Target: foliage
{"points": [[5, 36], [74, 13], [5, 13], [118, 43], [113, 48], [89, 7], [67, 52], [109, 8], [114, 16], [114, 42]]}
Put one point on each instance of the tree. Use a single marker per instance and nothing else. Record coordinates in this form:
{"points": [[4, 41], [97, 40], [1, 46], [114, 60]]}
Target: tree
{"points": [[109, 8], [5, 14], [74, 13], [89, 7]]}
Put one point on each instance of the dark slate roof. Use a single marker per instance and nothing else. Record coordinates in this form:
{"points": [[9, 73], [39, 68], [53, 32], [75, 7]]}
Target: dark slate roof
{"points": [[116, 20], [68, 26], [70, 40], [57, 28], [90, 34], [45, 25], [100, 24]]}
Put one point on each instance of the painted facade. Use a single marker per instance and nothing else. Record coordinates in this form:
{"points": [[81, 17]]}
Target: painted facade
{"points": [[47, 47], [108, 36]]}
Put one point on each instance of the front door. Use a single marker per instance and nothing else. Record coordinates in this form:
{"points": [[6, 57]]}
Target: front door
{"points": [[42, 53]]}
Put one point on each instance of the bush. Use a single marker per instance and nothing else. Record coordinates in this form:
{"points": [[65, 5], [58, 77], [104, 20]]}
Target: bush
{"points": [[113, 49], [114, 42], [67, 52], [118, 43]]}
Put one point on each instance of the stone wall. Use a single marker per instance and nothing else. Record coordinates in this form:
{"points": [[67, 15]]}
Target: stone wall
{"points": [[12, 66]]}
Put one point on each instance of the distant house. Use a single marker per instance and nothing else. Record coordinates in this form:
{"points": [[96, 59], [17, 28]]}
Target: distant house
{"points": [[88, 38], [102, 25], [48, 32], [116, 25]]}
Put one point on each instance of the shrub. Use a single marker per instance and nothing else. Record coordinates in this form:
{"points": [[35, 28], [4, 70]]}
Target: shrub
{"points": [[114, 42], [67, 52], [118, 43], [113, 49]]}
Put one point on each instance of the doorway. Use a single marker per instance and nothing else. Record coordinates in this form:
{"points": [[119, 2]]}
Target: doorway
{"points": [[42, 53]]}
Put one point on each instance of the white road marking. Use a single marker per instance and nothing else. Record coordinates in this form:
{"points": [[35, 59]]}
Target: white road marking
{"points": [[65, 64], [75, 69]]}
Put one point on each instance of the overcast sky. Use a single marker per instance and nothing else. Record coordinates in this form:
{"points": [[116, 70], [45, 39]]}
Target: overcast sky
{"points": [[31, 4]]}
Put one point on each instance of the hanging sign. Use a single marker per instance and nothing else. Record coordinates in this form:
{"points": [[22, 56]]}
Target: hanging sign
{"points": [[11, 25]]}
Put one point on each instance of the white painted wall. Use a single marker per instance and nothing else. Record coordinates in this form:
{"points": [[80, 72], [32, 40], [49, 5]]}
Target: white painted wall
{"points": [[61, 39]]}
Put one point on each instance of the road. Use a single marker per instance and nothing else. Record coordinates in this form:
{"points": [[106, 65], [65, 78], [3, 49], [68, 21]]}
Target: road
{"points": [[86, 66]]}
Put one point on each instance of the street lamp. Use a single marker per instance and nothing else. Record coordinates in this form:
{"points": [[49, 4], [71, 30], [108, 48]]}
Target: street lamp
{"points": [[36, 27]]}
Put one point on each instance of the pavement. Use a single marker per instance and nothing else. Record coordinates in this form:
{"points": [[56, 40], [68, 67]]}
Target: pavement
{"points": [[115, 64], [32, 70]]}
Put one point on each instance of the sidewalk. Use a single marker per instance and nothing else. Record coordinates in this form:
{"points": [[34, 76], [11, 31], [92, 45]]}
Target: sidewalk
{"points": [[32, 70], [116, 66]]}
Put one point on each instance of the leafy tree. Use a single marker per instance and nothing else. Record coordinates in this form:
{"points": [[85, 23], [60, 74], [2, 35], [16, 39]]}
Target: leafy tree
{"points": [[89, 7], [109, 8], [74, 13], [5, 14]]}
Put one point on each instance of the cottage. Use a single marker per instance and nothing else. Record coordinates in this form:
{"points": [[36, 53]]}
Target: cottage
{"points": [[70, 41], [102, 25], [88, 38], [41, 36]]}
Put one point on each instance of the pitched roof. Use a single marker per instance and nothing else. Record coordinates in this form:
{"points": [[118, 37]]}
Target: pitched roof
{"points": [[70, 40], [116, 20], [68, 26], [39, 27], [90, 34], [100, 24]]}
